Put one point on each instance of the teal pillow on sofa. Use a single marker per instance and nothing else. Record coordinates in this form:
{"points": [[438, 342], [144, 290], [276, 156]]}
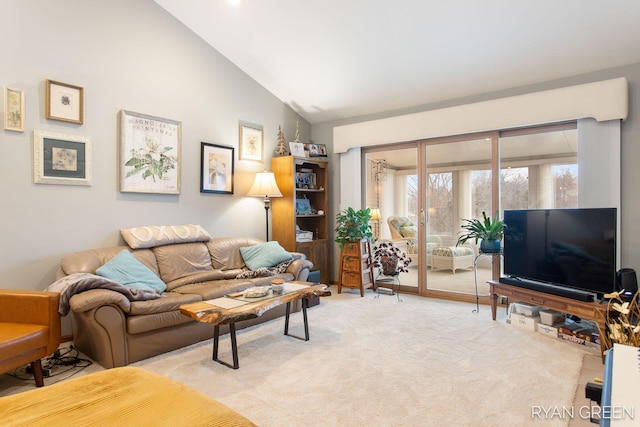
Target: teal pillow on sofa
{"points": [[264, 255], [125, 269]]}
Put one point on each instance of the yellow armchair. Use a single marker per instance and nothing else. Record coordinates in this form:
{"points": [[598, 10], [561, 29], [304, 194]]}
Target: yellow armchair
{"points": [[29, 329]]}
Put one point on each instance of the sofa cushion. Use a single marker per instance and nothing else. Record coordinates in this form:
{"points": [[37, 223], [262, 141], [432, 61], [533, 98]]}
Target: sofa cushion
{"points": [[180, 260], [225, 251], [263, 255], [171, 302], [90, 260], [203, 276], [153, 235], [125, 269]]}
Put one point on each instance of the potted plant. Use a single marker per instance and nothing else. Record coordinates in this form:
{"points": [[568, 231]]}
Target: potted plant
{"points": [[353, 225], [488, 230], [390, 260]]}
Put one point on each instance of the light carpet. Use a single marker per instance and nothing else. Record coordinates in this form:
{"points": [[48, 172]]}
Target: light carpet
{"points": [[381, 362]]}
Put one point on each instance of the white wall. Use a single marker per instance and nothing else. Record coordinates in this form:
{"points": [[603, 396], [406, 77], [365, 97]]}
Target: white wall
{"points": [[126, 55]]}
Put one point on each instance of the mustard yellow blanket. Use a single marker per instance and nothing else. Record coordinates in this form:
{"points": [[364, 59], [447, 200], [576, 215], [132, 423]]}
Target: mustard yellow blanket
{"points": [[117, 397]]}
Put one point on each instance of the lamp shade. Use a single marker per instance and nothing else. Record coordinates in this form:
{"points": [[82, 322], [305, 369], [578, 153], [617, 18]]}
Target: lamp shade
{"points": [[265, 185], [375, 214]]}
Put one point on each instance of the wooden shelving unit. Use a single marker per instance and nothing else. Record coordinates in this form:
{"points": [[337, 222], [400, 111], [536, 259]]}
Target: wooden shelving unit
{"points": [[290, 173], [356, 270]]}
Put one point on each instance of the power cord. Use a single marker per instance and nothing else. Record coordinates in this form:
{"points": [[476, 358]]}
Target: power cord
{"points": [[65, 361]]}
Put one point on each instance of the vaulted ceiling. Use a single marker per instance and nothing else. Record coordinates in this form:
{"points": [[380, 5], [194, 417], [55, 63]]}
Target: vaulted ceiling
{"points": [[332, 59]]}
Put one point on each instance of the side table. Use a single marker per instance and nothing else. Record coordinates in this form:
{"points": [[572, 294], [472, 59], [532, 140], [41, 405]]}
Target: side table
{"points": [[481, 254]]}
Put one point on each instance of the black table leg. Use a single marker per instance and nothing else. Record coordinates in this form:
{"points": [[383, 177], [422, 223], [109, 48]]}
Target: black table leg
{"points": [[234, 346], [304, 316]]}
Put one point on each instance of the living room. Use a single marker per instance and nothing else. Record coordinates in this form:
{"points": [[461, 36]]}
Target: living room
{"points": [[135, 56]]}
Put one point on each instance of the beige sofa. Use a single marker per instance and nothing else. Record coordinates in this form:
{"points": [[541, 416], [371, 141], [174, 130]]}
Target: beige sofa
{"points": [[116, 331]]}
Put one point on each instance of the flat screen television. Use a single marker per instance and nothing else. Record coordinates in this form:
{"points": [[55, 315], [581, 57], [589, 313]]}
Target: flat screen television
{"points": [[574, 248]]}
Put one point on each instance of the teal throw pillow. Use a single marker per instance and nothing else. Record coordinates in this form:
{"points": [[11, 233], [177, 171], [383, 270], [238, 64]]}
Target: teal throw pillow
{"points": [[264, 255], [125, 269]]}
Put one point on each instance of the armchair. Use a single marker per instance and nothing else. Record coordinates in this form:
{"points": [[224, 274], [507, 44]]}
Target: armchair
{"points": [[402, 228], [29, 329]]}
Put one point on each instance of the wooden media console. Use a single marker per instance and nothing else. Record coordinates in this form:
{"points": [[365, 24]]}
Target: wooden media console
{"points": [[586, 310]]}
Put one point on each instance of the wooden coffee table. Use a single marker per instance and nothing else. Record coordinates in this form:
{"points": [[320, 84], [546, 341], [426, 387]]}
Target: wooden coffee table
{"points": [[229, 310]]}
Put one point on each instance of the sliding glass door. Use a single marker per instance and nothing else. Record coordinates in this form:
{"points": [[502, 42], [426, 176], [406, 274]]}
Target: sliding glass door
{"points": [[423, 191], [459, 186], [392, 188]]}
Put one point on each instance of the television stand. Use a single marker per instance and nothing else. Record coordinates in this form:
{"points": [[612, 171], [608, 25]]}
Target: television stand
{"points": [[587, 310]]}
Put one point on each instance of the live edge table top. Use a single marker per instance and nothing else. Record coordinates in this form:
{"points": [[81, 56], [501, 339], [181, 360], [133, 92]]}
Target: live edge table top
{"points": [[208, 312]]}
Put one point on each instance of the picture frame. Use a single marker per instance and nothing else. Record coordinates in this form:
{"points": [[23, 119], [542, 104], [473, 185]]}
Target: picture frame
{"points": [[150, 154], [13, 109], [216, 168], [303, 207], [64, 102], [306, 180], [322, 150], [61, 159], [297, 149], [251, 143], [314, 151]]}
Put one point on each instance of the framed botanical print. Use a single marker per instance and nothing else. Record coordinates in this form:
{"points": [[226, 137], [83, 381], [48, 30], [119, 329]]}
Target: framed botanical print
{"points": [[13, 109], [150, 150], [216, 168], [64, 102], [61, 159], [251, 143]]}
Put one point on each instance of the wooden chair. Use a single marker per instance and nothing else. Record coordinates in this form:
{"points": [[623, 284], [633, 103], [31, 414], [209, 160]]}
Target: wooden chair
{"points": [[29, 329]]}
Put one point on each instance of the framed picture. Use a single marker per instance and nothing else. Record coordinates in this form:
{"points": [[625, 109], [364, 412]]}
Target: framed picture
{"points": [[64, 102], [322, 150], [150, 150], [306, 180], [251, 143], [297, 149], [314, 151], [13, 109], [61, 159], [303, 207], [216, 168]]}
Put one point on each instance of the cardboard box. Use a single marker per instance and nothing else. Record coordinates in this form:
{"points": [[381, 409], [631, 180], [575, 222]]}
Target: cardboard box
{"points": [[524, 322], [551, 317], [527, 309], [546, 330]]}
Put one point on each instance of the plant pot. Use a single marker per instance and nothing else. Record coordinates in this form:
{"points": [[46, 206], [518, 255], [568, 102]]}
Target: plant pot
{"points": [[490, 246], [389, 265]]}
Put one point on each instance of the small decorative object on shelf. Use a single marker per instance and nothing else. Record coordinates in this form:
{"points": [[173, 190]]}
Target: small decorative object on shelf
{"points": [[281, 148], [390, 260]]}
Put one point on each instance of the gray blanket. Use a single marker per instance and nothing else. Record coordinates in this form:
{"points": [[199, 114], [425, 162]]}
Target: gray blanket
{"points": [[75, 283]]}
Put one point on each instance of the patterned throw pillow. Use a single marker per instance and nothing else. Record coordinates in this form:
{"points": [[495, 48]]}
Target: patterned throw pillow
{"points": [[409, 231], [154, 235]]}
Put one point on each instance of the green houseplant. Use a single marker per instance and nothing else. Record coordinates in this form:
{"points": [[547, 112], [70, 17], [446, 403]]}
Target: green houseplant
{"points": [[352, 225], [488, 230]]}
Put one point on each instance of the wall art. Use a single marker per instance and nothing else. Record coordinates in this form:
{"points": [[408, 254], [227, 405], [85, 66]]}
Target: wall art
{"points": [[64, 102], [150, 159], [13, 109], [216, 168], [61, 159], [251, 143]]}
